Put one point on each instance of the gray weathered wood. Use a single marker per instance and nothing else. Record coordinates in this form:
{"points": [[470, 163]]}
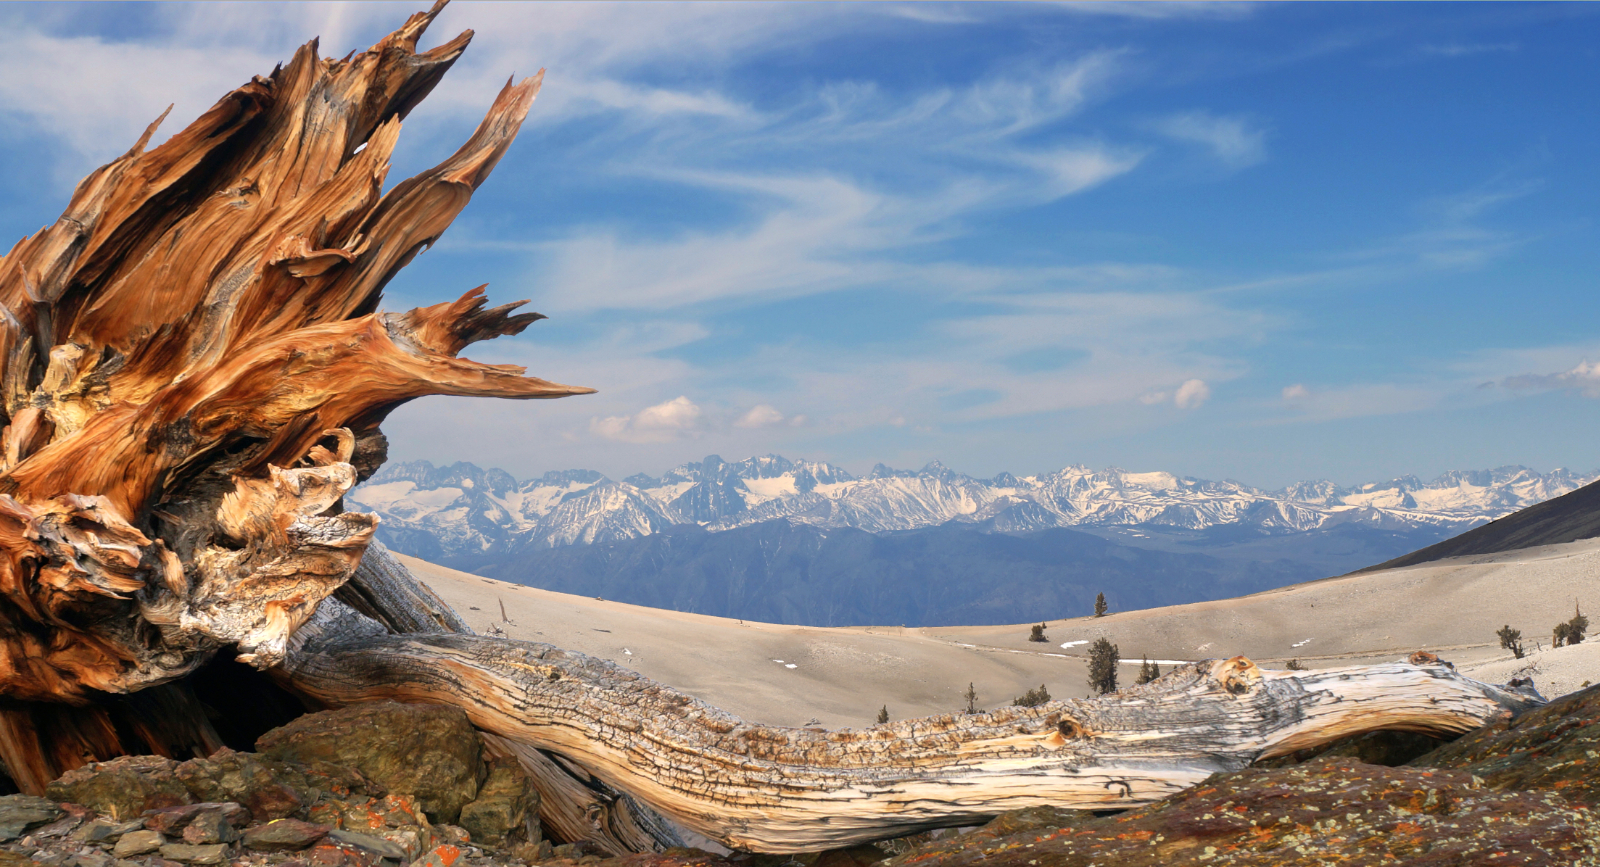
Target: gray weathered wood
{"points": [[772, 789]]}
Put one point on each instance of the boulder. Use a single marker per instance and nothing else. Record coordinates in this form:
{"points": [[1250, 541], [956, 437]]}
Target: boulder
{"points": [[122, 788], [428, 751], [504, 803]]}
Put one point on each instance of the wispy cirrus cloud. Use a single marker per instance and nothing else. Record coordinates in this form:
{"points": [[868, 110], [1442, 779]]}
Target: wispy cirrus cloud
{"points": [[1466, 49], [1583, 379], [1236, 142]]}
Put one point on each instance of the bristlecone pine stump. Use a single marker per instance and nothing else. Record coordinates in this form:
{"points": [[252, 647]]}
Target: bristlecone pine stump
{"points": [[195, 372]]}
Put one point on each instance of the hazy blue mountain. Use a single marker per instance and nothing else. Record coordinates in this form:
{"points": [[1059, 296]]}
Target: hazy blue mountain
{"points": [[487, 521], [784, 572]]}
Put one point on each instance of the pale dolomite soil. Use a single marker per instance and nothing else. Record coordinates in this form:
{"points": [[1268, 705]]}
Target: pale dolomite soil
{"points": [[839, 677]]}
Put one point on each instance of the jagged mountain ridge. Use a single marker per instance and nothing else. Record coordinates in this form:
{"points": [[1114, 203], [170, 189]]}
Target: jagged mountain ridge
{"points": [[462, 511]]}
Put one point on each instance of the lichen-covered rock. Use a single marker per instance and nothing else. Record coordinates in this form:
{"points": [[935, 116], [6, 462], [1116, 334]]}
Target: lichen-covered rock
{"points": [[930, 847], [1554, 748], [503, 805], [427, 751], [1326, 811], [370, 814], [268, 789], [122, 788]]}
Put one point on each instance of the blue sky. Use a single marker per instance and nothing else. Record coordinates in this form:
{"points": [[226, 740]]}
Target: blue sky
{"points": [[1261, 242]]}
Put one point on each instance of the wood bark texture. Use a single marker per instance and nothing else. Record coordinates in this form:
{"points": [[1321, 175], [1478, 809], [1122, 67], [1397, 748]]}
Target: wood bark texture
{"points": [[771, 789], [194, 371]]}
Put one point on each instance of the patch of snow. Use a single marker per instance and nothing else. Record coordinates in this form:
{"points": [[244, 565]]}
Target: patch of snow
{"points": [[790, 665], [782, 486], [1301, 643], [1071, 644]]}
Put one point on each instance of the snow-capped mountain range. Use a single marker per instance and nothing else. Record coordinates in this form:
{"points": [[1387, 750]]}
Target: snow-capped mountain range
{"points": [[462, 510]]}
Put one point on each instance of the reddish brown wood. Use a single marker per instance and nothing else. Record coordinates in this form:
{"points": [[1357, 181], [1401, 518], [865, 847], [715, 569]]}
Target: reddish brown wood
{"points": [[195, 370]]}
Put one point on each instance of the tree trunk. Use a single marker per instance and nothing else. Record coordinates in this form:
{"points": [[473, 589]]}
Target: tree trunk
{"points": [[771, 789], [194, 374]]}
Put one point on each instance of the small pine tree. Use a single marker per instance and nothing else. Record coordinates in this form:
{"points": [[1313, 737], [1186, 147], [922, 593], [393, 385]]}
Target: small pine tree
{"points": [[1100, 605], [1038, 633], [1103, 660], [1148, 671], [1511, 639], [972, 698], [1295, 665], [883, 714], [1032, 698], [1573, 630]]}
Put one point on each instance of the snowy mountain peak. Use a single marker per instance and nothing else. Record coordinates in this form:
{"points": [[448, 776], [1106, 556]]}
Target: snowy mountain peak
{"points": [[464, 508]]}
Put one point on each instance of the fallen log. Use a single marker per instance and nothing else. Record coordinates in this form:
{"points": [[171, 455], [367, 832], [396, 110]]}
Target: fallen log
{"points": [[195, 371], [772, 789]]}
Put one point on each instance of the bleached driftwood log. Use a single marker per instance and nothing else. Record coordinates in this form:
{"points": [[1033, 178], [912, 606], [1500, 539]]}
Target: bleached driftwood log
{"points": [[773, 789], [194, 374]]}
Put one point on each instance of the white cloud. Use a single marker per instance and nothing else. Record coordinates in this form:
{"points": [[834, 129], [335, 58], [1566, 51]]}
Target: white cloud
{"points": [[1153, 398], [761, 415], [1295, 392], [675, 419], [1231, 140], [1585, 379], [1191, 394]]}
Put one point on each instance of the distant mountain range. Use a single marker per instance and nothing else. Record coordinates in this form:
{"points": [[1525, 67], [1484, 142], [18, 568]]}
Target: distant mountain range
{"points": [[465, 510], [807, 542]]}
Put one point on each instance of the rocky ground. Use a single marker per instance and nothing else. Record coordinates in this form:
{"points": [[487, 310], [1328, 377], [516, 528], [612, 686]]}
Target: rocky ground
{"points": [[385, 785]]}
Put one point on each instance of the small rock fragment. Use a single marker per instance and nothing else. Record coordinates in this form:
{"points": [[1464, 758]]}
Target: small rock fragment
{"points": [[328, 854], [138, 843], [443, 855], [20, 812], [105, 830], [209, 827], [284, 835], [188, 853], [173, 820], [381, 848]]}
